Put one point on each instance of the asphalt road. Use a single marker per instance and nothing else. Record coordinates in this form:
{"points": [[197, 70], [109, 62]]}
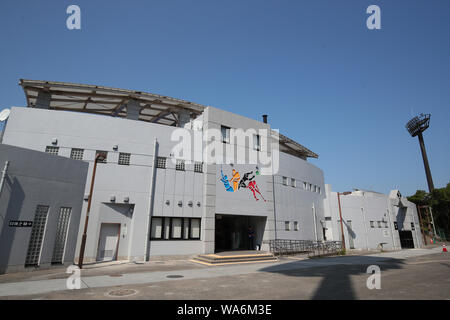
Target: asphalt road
{"points": [[416, 277]]}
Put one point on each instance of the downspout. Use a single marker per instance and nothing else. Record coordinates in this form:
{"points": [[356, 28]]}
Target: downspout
{"points": [[365, 228], [5, 170], [150, 202], [314, 217], [390, 226]]}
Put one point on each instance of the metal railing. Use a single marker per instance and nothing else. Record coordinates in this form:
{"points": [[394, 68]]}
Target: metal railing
{"points": [[282, 247]]}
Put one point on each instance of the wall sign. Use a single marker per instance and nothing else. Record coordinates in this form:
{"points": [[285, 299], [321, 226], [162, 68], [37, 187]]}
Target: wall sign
{"points": [[20, 223]]}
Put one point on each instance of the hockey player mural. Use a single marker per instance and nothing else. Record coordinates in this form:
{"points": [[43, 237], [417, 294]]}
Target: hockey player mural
{"points": [[246, 182]]}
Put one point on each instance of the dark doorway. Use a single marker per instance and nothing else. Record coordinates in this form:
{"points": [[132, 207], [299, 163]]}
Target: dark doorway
{"points": [[231, 232], [406, 239]]}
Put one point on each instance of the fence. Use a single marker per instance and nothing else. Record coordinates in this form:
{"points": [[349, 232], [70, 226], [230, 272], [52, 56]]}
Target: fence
{"points": [[281, 247]]}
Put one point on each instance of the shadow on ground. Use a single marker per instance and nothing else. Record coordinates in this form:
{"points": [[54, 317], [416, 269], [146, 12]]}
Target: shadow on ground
{"points": [[336, 273]]}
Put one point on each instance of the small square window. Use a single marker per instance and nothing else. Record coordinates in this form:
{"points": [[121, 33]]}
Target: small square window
{"points": [[287, 225], [52, 150], [180, 165], [225, 134], [293, 183], [198, 167], [256, 142], [161, 162], [124, 159], [77, 154]]}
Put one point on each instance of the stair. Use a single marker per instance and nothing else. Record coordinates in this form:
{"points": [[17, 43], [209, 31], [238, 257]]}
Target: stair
{"points": [[234, 258]]}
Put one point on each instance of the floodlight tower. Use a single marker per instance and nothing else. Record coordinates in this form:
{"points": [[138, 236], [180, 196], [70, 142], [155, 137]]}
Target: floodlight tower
{"points": [[415, 127]]}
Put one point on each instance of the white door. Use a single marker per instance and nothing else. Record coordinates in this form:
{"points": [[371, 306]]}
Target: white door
{"points": [[108, 242]]}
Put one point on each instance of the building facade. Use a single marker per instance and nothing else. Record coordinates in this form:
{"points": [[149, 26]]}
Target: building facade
{"points": [[179, 178], [371, 220], [41, 197], [148, 200]]}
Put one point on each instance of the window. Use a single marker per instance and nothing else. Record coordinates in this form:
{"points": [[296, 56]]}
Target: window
{"points": [[61, 235], [105, 156], [305, 185], [195, 229], [287, 225], [175, 228], [37, 236], [156, 228], [180, 165], [161, 162], [293, 182], [225, 134], [385, 224], [372, 224], [295, 225], [309, 186], [256, 142], [413, 227], [285, 181], [328, 218], [379, 224], [318, 190], [76, 154], [52, 150], [198, 167], [124, 159]]}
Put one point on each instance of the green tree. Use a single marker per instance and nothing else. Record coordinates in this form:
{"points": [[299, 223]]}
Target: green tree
{"points": [[439, 200]]}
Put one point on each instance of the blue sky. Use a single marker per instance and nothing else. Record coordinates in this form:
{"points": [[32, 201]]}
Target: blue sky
{"points": [[323, 78]]}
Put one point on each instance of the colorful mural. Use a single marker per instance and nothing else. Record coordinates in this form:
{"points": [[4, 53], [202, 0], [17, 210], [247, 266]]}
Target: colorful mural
{"points": [[246, 182]]}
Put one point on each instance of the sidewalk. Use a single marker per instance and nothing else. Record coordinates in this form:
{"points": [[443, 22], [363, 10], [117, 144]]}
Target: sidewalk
{"points": [[157, 272]]}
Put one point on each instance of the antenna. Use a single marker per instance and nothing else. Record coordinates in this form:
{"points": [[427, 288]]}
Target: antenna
{"points": [[415, 127], [4, 114]]}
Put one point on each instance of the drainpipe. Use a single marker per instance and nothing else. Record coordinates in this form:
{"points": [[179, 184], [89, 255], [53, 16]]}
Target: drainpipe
{"points": [[150, 202], [314, 217], [5, 170], [390, 227], [365, 228]]}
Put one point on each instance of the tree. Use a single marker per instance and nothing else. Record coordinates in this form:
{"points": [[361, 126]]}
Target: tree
{"points": [[439, 200]]}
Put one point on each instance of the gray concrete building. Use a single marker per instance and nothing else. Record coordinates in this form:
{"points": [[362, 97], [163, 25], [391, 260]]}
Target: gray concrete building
{"points": [[180, 178], [147, 200], [41, 197], [372, 220]]}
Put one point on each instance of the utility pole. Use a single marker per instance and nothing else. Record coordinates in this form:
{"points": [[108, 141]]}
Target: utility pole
{"points": [[98, 157]]}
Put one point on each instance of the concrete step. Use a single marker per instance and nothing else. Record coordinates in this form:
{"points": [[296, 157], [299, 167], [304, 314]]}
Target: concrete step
{"points": [[216, 259]]}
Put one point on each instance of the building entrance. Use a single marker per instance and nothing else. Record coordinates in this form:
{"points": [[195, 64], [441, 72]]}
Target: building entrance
{"points": [[231, 232]]}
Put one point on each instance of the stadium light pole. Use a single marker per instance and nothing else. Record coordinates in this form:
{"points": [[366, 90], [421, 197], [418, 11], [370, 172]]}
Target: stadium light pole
{"points": [[98, 157], [415, 127]]}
